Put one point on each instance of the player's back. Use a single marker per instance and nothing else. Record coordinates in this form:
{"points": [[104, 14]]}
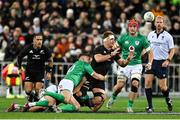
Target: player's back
{"points": [[77, 71]]}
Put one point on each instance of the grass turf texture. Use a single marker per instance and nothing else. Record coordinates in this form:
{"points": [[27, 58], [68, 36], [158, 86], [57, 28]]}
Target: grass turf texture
{"points": [[118, 111]]}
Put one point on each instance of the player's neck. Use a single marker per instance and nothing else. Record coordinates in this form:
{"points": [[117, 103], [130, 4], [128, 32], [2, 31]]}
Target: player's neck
{"points": [[107, 46], [158, 31], [133, 34], [35, 47]]}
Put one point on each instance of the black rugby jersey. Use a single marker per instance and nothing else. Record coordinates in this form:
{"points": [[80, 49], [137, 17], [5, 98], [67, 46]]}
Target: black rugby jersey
{"points": [[103, 67], [36, 58]]}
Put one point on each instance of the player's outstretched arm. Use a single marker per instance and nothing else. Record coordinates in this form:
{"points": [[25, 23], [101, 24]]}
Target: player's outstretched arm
{"points": [[124, 63], [98, 76], [77, 89]]}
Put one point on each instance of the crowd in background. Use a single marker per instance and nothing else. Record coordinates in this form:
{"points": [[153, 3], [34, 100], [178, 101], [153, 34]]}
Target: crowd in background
{"points": [[70, 26]]}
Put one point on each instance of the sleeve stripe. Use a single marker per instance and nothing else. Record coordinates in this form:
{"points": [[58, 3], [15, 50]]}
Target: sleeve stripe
{"points": [[92, 73], [148, 48]]}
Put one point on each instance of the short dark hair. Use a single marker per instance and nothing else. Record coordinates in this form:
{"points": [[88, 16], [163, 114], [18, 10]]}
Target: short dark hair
{"points": [[107, 33], [38, 34], [84, 53]]}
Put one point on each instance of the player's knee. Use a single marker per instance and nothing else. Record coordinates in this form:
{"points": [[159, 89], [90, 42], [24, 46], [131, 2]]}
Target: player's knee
{"points": [[121, 78], [99, 97], [163, 88], [120, 84], [134, 85], [78, 107]]}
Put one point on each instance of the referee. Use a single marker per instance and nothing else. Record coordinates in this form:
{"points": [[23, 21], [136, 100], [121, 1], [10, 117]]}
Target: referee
{"points": [[37, 54], [163, 50]]}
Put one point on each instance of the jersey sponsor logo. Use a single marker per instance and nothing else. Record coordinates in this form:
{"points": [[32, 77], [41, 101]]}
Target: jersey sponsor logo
{"points": [[126, 42], [137, 42], [131, 48], [31, 51], [42, 52], [36, 57]]}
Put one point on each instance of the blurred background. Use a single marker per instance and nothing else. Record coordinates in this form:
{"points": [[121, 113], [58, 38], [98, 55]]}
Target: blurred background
{"points": [[71, 26]]}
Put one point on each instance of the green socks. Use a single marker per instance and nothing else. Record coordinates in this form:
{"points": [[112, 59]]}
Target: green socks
{"points": [[56, 96], [114, 95], [43, 103], [68, 108], [130, 103]]}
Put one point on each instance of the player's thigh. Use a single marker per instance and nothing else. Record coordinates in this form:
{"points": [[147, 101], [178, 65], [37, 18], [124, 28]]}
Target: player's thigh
{"points": [[123, 73], [38, 86], [28, 86], [51, 100], [67, 95], [74, 102], [162, 84], [121, 82], [148, 79]]}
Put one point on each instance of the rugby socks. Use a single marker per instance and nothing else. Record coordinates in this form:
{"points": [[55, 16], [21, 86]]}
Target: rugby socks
{"points": [[149, 96], [114, 95], [36, 96], [30, 96], [57, 96], [43, 103], [130, 103], [68, 108], [166, 93]]}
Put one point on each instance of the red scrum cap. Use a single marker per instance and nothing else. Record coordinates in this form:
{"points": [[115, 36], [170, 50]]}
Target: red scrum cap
{"points": [[133, 22]]}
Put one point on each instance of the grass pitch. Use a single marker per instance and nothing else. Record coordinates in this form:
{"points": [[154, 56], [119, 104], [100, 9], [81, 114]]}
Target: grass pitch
{"points": [[118, 111]]}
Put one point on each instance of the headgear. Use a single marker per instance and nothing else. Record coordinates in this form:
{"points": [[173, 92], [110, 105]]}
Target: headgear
{"points": [[133, 22]]}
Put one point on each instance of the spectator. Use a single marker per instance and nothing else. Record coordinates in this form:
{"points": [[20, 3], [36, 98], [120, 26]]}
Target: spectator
{"points": [[36, 25]]}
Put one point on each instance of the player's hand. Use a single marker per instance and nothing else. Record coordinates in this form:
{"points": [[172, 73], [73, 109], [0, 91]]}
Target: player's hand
{"points": [[77, 89], [48, 76], [115, 46], [130, 56], [165, 63], [148, 66], [115, 52]]}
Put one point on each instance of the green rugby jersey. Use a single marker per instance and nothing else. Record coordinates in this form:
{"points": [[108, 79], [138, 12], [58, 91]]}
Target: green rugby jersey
{"points": [[127, 43], [77, 71]]}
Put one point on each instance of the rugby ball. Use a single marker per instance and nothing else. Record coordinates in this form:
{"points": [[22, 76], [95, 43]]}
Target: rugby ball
{"points": [[149, 16]]}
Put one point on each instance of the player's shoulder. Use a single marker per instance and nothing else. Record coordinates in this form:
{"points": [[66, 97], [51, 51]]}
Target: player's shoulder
{"points": [[45, 48], [100, 47], [167, 34], [152, 32], [123, 35], [28, 47]]}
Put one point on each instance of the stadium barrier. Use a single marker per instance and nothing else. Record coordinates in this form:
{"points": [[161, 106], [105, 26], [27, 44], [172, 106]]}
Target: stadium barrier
{"points": [[60, 70]]}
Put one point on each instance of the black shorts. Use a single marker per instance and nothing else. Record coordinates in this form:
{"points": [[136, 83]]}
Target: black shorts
{"points": [[96, 84], [33, 77], [157, 69]]}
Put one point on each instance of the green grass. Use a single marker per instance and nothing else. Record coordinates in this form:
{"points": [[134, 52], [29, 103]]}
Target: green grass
{"points": [[118, 111]]}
